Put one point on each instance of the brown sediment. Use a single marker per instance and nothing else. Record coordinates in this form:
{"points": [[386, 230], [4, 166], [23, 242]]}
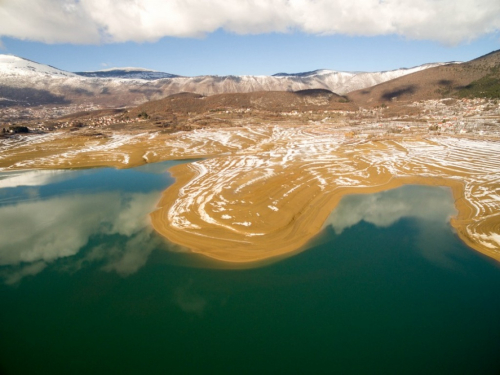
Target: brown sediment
{"points": [[303, 228], [184, 215], [67, 151], [268, 190]]}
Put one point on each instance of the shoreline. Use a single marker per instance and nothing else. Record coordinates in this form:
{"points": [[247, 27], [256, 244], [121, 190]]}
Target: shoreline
{"points": [[265, 191], [292, 244]]}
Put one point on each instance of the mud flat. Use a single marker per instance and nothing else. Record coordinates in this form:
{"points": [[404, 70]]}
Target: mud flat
{"points": [[265, 191], [248, 207], [65, 150]]}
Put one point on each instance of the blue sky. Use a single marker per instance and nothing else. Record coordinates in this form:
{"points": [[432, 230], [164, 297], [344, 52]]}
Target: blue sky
{"points": [[225, 53], [257, 37]]}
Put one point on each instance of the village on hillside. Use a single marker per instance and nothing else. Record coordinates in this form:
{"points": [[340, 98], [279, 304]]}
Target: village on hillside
{"points": [[476, 117]]}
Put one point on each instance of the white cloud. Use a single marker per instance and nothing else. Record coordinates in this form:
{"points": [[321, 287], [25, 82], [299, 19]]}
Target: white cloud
{"points": [[106, 21], [31, 178], [49, 21], [31, 238], [133, 255], [29, 270], [432, 206], [385, 208]]}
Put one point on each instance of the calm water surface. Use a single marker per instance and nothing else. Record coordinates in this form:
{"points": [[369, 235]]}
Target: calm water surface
{"points": [[88, 288]]}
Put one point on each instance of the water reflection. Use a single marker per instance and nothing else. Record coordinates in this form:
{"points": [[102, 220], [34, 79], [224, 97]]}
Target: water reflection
{"points": [[385, 208], [188, 300], [32, 178], [107, 224], [102, 217], [33, 234], [431, 206], [371, 303]]}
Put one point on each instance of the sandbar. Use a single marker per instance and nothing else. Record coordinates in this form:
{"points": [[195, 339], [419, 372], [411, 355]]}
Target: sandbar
{"points": [[265, 191], [248, 208]]}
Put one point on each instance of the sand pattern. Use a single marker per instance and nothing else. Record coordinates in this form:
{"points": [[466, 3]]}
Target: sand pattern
{"points": [[274, 195], [265, 191]]}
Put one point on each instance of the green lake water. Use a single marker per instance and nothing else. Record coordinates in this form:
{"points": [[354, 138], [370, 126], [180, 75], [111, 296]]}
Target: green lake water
{"points": [[87, 287]]}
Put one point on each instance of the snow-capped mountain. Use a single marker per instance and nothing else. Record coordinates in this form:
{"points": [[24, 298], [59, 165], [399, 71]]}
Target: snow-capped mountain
{"points": [[25, 82], [128, 73], [18, 66], [345, 82]]}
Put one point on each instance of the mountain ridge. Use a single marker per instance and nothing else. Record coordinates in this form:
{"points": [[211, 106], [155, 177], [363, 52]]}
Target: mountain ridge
{"points": [[125, 70], [27, 83], [128, 73]]}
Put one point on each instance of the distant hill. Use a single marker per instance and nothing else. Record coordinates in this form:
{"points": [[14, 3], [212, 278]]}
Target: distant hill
{"points": [[27, 83], [477, 78], [345, 82], [188, 111], [128, 73], [273, 101]]}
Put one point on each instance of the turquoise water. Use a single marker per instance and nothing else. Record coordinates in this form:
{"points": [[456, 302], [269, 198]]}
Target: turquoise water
{"points": [[88, 288]]}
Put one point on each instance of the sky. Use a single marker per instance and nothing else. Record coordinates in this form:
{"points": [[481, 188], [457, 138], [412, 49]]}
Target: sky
{"points": [[248, 37]]}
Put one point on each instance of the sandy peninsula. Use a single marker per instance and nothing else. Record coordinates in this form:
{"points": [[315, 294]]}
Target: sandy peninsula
{"points": [[270, 200], [264, 191]]}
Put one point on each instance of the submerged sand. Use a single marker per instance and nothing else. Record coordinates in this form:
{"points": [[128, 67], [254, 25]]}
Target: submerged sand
{"points": [[265, 191]]}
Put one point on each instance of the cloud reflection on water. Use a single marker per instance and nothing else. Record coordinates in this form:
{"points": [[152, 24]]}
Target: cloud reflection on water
{"points": [[32, 178], [188, 300], [385, 208], [34, 234], [432, 206]]}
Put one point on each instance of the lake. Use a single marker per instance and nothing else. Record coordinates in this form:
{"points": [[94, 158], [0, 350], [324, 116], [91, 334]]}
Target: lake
{"points": [[87, 287]]}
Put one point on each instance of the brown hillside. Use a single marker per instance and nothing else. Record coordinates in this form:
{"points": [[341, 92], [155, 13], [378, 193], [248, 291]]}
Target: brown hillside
{"points": [[435, 83], [272, 101], [187, 111]]}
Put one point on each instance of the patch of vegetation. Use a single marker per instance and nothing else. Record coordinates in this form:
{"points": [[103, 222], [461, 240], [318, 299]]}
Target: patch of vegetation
{"points": [[486, 87], [19, 129], [314, 92], [143, 115]]}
